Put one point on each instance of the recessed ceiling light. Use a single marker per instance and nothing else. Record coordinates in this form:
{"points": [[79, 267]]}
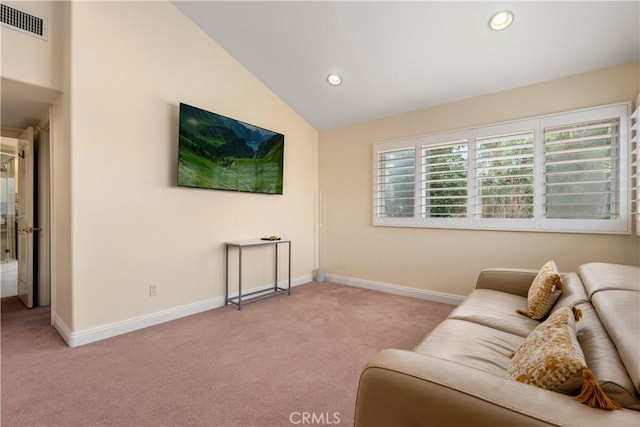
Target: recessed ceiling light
{"points": [[501, 20], [334, 79]]}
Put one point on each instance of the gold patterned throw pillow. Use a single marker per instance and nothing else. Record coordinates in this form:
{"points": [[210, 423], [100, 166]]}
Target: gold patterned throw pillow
{"points": [[551, 358], [543, 292]]}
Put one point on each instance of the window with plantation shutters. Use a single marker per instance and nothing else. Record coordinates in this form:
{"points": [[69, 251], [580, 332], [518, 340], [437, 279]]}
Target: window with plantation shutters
{"points": [[566, 172], [504, 176], [444, 180], [395, 186], [582, 170]]}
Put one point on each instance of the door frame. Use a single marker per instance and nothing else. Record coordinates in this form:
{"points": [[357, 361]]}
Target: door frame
{"points": [[43, 203]]}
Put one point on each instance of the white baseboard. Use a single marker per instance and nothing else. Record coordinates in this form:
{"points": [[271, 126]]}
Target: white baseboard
{"points": [[87, 336], [74, 339], [396, 289], [62, 328]]}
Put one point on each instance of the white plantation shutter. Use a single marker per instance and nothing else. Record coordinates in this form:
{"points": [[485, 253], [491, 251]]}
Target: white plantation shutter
{"points": [[395, 184], [566, 172], [504, 176], [635, 161], [582, 170], [444, 180]]}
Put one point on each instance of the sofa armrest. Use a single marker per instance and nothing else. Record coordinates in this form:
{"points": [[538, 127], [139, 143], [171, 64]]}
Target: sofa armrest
{"points": [[403, 388], [511, 280]]}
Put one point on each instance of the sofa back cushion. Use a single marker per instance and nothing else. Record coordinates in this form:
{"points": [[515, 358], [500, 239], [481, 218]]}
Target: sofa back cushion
{"points": [[599, 276], [614, 291], [572, 292], [619, 312], [602, 358]]}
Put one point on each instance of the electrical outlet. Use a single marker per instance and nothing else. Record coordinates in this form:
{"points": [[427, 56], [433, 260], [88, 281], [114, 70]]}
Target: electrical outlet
{"points": [[153, 290]]}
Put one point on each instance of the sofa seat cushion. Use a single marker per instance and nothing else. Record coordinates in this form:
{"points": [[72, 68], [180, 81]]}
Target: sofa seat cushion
{"points": [[497, 310], [598, 276], [619, 312], [471, 344], [603, 360]]}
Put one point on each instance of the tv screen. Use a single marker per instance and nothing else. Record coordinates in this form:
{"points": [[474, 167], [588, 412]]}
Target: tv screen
{"points": [[217, 152]]}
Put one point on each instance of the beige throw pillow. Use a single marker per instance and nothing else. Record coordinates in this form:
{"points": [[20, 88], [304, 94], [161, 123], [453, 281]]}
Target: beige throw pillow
{"points": [[543, 292], [551, 358]]}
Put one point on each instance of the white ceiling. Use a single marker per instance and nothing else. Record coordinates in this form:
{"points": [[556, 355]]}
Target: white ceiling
{"points": [[23, 105], [402, 56]]}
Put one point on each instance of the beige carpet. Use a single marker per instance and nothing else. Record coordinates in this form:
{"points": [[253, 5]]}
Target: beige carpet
{"points": [[261, 366]]}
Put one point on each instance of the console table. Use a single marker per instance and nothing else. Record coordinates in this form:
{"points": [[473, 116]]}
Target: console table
{"points": [[262, 293]]}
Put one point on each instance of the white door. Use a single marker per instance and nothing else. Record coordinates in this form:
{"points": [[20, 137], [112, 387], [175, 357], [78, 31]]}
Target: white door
{"points": [[25, 217]]}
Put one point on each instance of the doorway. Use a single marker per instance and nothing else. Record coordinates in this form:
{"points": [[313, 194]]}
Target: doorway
{"points": [[25, 215], [8, 236]]}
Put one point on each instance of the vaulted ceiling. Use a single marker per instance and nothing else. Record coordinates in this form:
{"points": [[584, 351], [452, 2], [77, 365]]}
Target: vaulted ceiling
{"points": [[402, 56]]}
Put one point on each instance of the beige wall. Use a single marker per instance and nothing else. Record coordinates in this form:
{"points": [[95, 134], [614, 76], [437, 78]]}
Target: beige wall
{"points": [[60, 128], [130, 224], [449, 260]]}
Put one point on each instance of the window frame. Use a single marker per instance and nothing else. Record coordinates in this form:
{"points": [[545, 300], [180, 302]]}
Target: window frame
{"points": [[539, 223]]}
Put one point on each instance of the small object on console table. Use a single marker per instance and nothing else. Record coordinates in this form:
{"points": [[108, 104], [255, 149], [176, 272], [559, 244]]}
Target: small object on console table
{"points": [[270, 238]]}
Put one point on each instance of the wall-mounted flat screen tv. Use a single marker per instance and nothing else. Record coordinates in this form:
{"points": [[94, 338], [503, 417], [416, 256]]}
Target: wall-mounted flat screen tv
{"points": [[217, 152]]}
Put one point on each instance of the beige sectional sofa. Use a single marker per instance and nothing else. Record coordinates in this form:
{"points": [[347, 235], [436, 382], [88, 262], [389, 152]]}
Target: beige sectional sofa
{"points": [[456, 375]]}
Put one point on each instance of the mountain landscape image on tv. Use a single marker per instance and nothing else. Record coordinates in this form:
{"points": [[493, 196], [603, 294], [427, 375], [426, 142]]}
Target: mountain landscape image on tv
{"points": [[217, 152]]}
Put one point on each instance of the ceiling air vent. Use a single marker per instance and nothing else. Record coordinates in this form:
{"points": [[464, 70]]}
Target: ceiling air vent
{"points": [[24, 22]]}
